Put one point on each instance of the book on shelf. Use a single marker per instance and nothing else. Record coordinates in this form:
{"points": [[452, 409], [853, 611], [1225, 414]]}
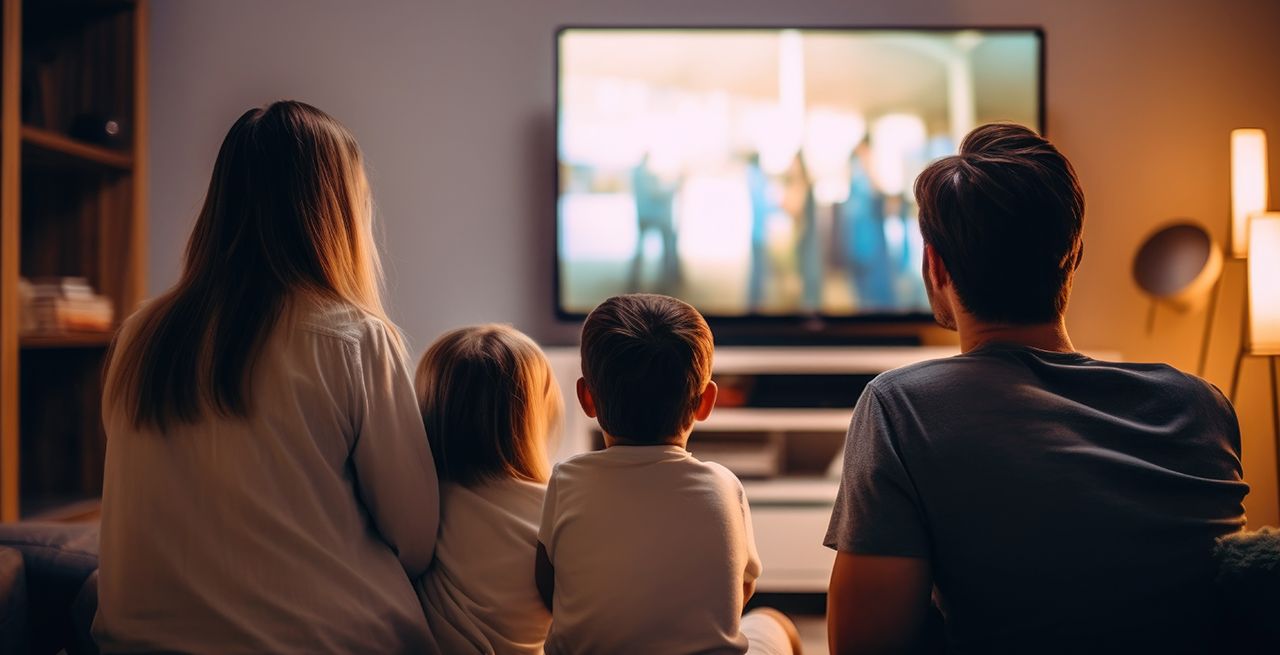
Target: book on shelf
{"points": [[64, 304]]}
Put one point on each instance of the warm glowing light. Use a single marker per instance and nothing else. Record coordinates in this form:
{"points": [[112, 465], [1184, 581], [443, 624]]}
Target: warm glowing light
{"points": [[598, 123], [778, 128], [1248, 184], [791, 74], [776, 137], [895, 138], [1264, 284], [829, 139]]}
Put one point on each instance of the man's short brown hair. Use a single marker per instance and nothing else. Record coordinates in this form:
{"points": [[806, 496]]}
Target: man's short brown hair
{"points": [[1005, 215], [646, 359]]}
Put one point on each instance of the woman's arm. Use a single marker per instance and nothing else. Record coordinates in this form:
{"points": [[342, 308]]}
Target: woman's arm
{"points": [[395, 475]]}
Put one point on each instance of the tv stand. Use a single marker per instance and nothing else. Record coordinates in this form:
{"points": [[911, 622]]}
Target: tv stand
{"points": [[815, 332], [779, 425]]}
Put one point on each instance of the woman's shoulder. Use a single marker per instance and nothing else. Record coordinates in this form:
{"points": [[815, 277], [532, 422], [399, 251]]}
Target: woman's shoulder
{"points": [[338, 319]]}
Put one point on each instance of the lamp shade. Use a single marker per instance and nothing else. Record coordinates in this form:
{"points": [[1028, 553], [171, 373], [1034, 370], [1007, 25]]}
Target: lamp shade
{"points": [[1264, 284], [1248, 184]]}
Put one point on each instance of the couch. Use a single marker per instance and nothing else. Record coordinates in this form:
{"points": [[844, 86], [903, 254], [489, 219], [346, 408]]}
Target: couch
{"points": [[49, 593], [48, 587]]}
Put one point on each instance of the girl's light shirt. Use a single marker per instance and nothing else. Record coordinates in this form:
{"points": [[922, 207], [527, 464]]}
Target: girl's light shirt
{"points": [[480, 596]]}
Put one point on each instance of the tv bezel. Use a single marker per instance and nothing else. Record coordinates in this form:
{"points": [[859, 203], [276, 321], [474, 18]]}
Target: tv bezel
{"points": [[769, 328]]}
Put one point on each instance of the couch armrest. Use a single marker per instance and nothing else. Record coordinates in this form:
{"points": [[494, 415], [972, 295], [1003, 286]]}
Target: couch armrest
{"points": [[13, 602]]}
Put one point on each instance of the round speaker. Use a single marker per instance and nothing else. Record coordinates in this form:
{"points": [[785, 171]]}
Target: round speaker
{"points": [[1178, 265]]}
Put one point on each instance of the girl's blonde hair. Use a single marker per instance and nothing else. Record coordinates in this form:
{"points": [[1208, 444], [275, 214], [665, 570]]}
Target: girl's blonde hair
{"points": [[490, 404], [288, 213]]}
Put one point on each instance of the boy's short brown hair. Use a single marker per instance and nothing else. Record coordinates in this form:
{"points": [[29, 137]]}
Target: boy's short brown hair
{"points": [[646, 359]]}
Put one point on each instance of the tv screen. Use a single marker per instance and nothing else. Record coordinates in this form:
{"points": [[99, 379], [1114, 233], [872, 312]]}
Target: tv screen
{"points": [[767, 172]]}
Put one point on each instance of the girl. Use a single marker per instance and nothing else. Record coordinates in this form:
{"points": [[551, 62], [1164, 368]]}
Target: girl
{"points": [[490, 404], [268, 483]]}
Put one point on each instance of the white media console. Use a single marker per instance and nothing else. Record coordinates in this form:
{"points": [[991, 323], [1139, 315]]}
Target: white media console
{"points": [[781, 445]]}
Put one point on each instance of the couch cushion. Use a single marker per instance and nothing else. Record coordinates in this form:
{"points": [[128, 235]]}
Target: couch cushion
{"points": [[58, 558], [1249, 581]]}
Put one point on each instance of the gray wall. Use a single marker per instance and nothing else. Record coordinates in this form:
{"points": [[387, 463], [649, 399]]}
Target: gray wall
{"points": [[451, 100]]}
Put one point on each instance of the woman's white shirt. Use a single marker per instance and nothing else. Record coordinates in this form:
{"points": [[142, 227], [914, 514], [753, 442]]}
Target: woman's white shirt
{"points": [[297, 529], [480, 596]]}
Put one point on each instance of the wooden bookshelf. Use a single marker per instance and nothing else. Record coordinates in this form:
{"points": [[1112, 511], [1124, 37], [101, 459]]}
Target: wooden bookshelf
{"points": [[72, 204]]}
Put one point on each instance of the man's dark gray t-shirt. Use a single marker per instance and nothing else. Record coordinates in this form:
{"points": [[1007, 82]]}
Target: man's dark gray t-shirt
{"points": [[1064, 503]]}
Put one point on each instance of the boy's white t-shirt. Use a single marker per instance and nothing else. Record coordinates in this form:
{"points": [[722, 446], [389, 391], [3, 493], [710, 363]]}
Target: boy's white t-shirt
{"points": [[479, 595], [651, 548]]}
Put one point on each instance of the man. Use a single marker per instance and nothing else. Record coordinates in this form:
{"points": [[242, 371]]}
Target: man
{"points": [[1048, 501]]}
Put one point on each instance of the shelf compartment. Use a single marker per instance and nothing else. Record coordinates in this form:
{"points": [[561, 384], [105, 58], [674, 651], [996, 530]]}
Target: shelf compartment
{"points": [[818, 360], [78, 61], [76, 222], [732, 419], [789, 540], [748, 455], [54, 148], [62, 441], [792, 490]]}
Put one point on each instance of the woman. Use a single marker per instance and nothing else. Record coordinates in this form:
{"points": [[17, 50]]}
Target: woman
{"points": [[269, 486]]}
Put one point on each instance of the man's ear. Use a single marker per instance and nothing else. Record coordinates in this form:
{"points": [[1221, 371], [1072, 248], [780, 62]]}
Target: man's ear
{"points": [[935, 269], [707, 402], [585, 400]]}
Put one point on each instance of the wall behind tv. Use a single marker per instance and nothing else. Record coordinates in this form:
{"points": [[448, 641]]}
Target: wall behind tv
{"points": [[451, 101]]}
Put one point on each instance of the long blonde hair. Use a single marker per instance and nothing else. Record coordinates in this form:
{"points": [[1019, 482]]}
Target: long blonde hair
{"points": [[490, 404], [288, 213]]}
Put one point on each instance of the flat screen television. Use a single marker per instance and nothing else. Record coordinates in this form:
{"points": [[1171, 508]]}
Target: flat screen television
{"points": [[766, 174]]}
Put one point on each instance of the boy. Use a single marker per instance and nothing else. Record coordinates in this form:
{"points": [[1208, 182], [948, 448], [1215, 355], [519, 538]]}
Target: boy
{"points": [[643, 548]]}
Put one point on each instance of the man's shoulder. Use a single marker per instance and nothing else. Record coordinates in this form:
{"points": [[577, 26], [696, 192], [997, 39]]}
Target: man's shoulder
{"points": [[1160, 379], [998, 379], [927, 375], [1173, 377], [980, 367], [1188, 390]]}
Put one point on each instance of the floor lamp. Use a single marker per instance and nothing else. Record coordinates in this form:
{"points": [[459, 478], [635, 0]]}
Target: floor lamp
{"points": [[1248, 198], [1261, 332], [1255, 236]]}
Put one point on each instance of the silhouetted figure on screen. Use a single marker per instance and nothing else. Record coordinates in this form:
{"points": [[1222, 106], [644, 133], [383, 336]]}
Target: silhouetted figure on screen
{"points": [[762, 206], [865, 245], [655, 211], [798, 201]]}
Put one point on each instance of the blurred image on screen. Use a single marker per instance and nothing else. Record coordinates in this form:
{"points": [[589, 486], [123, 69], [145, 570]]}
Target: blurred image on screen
{"points": [[767, 172]]}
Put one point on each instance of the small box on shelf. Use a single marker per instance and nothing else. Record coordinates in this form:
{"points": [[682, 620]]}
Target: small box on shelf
{"points": [[746, 458], [65, 304]]}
